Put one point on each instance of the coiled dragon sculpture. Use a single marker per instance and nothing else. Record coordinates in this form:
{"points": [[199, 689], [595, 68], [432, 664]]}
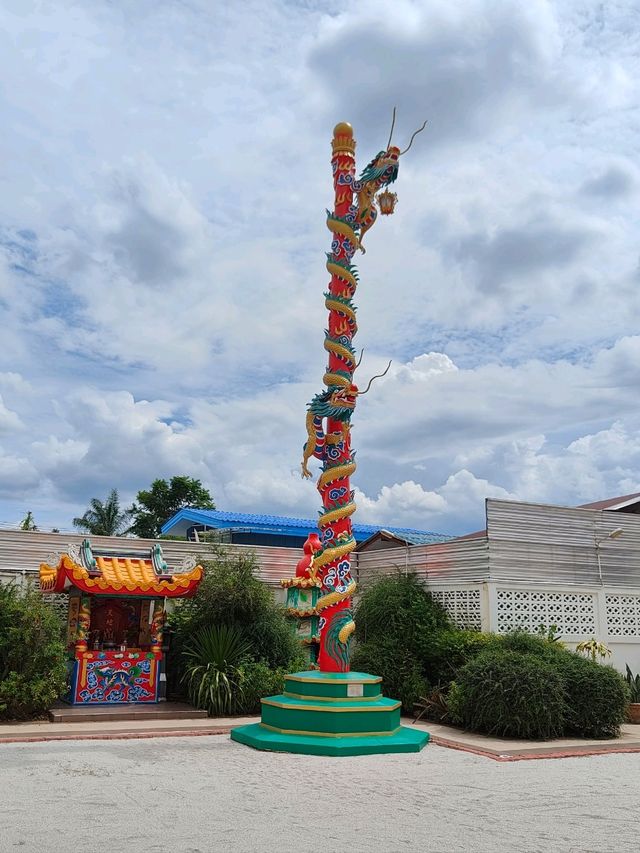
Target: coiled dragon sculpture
{"points": [[329, 413]]}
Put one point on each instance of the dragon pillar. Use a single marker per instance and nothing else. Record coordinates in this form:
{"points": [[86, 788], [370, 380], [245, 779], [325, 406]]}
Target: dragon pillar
{"points": [[334, 711], [329, 416]]}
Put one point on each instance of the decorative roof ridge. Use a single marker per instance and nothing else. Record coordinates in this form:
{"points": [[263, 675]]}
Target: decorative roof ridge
{"points": [[70, 572]]}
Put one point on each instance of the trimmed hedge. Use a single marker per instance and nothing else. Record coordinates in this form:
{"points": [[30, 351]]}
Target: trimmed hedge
{"points": [[450, 649], [525, 686], [509, 694], [528, 644], [516, 685], [597, 697]]}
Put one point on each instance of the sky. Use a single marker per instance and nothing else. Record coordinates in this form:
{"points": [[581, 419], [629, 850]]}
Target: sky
{"points": [[164, 175]]}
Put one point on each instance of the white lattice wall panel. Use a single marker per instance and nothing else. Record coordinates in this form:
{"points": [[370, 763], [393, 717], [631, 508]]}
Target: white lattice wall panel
{"points": [[572, 613], [462, 605], [59, 603], [623, 615]]}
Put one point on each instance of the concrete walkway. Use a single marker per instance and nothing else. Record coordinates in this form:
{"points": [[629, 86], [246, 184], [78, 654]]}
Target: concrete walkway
{"points": [[108, 730], [500, 749], [504, 749], [209, 794]]}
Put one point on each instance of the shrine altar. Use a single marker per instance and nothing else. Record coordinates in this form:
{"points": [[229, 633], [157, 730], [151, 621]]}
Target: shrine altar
{"points": [[115, 620]]}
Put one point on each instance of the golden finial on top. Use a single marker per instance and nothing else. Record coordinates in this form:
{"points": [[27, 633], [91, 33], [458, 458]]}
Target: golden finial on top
{"points": [[343, 140], [343, 128]]}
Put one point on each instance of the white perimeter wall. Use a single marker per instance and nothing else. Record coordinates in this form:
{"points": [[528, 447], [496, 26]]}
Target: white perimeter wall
{"points": [[609, 614]]}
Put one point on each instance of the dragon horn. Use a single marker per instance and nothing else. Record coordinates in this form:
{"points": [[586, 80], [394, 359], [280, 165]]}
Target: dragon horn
{"points": [[419, 130], [393, 122], [379, 376]]}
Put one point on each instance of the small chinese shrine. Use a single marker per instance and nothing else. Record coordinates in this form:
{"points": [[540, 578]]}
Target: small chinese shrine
{"points": [[115, 620]]}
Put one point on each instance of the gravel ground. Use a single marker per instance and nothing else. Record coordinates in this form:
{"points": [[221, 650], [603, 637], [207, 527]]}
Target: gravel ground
{"points": [[210, 794]]}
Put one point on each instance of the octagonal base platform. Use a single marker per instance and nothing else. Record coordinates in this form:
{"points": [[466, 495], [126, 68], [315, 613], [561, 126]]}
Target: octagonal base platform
{"points": [[326, 713], [403, 740]]}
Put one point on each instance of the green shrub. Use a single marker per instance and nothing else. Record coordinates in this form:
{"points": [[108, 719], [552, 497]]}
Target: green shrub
{"points": [[526, 686], [597, 697], [32, 654], [231, 594], [517, 685], [398, 605], [454, 701], [396, 620], [536, 645], [509, 694], [222, 678], [450, 649], [259, 680], [401, 673]]}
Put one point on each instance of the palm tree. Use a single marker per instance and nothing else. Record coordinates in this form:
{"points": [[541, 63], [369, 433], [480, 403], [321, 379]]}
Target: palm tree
{"points": [[103, 519], [27, 522]]}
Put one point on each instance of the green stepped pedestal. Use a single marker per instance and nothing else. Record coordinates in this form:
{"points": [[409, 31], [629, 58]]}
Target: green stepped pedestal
{"points": [[331, 713]]}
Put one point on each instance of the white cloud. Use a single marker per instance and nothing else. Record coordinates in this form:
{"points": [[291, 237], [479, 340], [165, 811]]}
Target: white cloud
{"points": [[14, 382], [162, 237], [17, 476], [9, 420], [464, 67], [401, 504]]}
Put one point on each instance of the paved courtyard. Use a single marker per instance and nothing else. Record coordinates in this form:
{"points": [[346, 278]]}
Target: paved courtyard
{"points": [[208, 794]]}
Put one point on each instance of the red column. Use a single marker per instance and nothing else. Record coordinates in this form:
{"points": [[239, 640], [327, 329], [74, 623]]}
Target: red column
{"points": [[336, 623]]}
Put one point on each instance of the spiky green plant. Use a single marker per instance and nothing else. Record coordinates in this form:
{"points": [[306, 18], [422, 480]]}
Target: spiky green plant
{"points": [[634, 685], [213, 674]]}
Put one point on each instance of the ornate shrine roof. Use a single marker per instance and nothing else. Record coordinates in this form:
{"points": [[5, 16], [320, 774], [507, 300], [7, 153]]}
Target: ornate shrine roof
{"points": [[118, 574]]}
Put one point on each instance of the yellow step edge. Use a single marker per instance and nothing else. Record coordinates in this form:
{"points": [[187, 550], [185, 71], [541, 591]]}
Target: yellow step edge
{"points": [[328, 734], [332, 698], [330, 710], [372, 680]]}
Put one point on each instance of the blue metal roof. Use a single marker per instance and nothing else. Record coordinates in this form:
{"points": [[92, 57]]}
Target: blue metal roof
{"points": [[280, 524], [418, 538]]}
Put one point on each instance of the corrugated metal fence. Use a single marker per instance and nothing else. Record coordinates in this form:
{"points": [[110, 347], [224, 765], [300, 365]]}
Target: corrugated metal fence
{"points": [[537, 544], [458, 561], [21, 552], [525, 543]]}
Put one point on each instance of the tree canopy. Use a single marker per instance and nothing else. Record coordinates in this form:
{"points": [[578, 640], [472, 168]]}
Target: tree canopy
{"points": [[156, 505], [104, 518]]}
